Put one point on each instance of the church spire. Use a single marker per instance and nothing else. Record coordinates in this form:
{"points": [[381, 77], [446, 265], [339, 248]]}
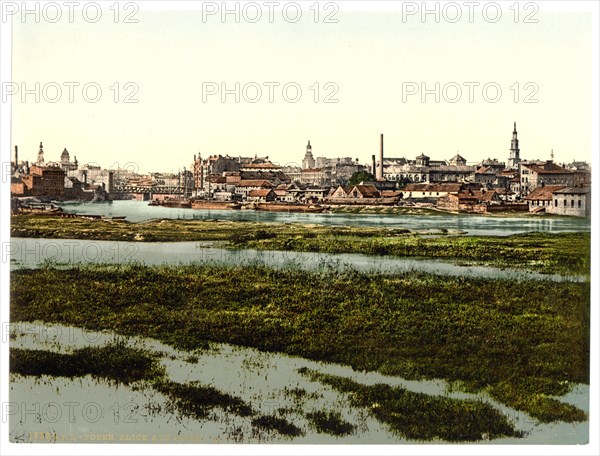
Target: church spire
{"points": [[40, 159], [514, 158]]}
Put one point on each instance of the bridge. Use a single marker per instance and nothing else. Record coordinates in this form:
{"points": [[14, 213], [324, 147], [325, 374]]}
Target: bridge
{"points": [[154, 189]]}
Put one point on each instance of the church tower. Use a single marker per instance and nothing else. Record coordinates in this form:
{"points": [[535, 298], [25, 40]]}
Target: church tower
{"points": [[514, 159], [65, 157], [309, 161], [40, 159]]}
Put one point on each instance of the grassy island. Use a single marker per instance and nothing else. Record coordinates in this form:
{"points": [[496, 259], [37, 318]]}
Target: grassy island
{"points": [[561, 253], [523, 342]]}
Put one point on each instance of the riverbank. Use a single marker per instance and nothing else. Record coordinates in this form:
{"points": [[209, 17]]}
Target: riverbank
{"points": [[522, 342], [559, 253]]}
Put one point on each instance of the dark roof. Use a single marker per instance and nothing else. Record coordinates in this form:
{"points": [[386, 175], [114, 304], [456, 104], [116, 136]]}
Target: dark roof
{"points": [[547, 168]]}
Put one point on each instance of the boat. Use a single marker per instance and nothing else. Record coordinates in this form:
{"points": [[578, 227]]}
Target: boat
{"points": [[286, 207], [179, 203], [208, 204]]}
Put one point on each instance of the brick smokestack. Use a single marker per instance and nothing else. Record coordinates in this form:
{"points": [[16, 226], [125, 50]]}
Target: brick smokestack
{"points": [[374, 167], [380, 167], [16, 155]]}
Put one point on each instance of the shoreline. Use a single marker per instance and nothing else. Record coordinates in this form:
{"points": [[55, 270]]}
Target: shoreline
{"points": [[562, 253]]}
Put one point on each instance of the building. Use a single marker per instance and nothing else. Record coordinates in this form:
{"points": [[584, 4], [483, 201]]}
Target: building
{"points": [[515, 153], [420, 191], [308, 162], [469, 200], [541, 198], [318, 177], [343, 191], [364, 191], [486, 175], [66, 163], [536, 174], [492, 163], [246, 186], [451, 173], [457, 160], [46, 181], [573, 201], [262, 195]]}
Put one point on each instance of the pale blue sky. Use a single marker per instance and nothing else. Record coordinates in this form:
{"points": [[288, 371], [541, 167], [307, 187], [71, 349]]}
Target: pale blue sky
{"points": [[367, 54]]}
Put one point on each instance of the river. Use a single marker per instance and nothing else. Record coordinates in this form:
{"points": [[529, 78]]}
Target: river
{"points": [[31, 253], [483, 225]]}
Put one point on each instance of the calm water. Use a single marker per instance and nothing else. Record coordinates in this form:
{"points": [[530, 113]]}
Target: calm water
{"points": [[261, 379], [31, 253], [137, 211]]}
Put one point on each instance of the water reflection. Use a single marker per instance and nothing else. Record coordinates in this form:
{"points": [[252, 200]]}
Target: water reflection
{"points": [[137, 211], [139, 415], [31, 253]]}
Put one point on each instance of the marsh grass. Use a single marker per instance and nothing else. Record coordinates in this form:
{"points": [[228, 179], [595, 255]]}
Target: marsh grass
{"points": [[558, 253], [115, 361], [276, 424], [330, 422], [523, 341], [196, 400], [139, 368], [421, 416]]}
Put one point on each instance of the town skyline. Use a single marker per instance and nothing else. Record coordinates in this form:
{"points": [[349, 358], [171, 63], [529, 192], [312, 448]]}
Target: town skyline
{"points": [[124, 163], [373, 61]]}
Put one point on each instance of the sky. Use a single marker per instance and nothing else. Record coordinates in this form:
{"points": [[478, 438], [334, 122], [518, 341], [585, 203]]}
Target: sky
{"points": [[374, 61]]}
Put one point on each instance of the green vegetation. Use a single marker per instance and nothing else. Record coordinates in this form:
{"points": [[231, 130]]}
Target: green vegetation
{"points": [[330, 423], [115, 361], [196, 400], [521, 341], [421, 416], [121, 363], [273, 423], [562, 253], [361, 176]]}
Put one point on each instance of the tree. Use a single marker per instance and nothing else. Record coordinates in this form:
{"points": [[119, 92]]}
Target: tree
{"points": [[361, 176]]}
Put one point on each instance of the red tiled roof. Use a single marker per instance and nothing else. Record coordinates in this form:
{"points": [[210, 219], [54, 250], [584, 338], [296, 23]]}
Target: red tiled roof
{"points": [[367, 191], [255, 183], [447, 187], [485, 170], [547, 168], [260, 193], [544, 193]]}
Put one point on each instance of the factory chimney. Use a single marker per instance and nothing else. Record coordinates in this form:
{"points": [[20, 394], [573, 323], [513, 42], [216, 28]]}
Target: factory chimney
{"points": [[374, 167], [379, 175], [16, 156]]}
